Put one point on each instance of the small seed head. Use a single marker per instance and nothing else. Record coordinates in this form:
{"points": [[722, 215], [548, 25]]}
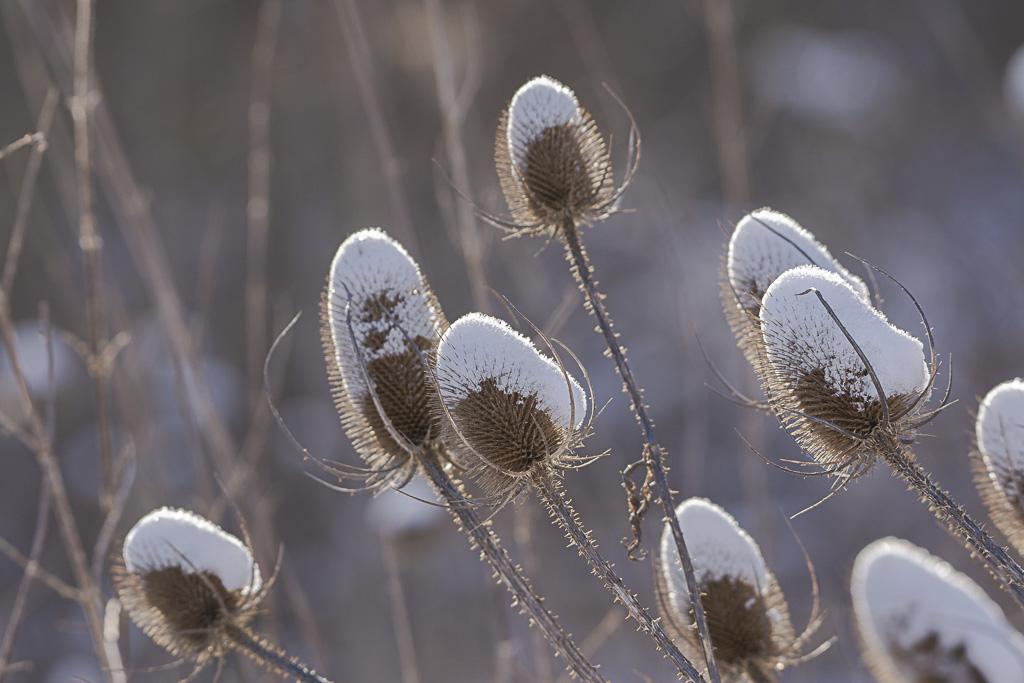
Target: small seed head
{"points": [[511, 411], [999, 458], [552, 162], [379, 319], [921, 620], [186, 583]]}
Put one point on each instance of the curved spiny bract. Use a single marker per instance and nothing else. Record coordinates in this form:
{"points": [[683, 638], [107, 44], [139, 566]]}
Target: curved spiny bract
{"points": [[999, 459], [827, 353], [764, 245], [747, 614], [379, 318], [552, 162], [921, 620], [509, 411]]}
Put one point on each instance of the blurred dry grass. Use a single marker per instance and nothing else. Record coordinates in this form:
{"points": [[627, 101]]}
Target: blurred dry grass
{"points": [[882, 128]]}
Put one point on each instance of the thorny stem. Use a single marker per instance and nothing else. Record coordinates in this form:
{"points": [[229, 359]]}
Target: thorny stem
{"points": [[653, 461], [272, 657], [999, 563], [486, 540], [563, 512]]}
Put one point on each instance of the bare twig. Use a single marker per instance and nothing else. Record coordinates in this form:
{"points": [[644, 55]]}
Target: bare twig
{"points": [[399, 612]]}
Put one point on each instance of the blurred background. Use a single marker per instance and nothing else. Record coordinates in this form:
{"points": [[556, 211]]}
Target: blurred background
{"points": [[234, 146]]}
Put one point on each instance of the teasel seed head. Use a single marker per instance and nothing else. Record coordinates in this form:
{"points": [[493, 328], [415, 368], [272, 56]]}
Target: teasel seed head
{"points": [[748, 617], [187, 583], [921, 620], [552, 162], [764, 245], [999, 458], [380, 319], [511, 412], [843, 381]]}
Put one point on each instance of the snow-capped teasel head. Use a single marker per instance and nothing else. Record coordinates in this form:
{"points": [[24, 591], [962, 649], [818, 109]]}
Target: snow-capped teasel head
{"points": [[764, 245], [999, 459], [919, 619], [379, 318], [748, 617], [509, 408], [822, 389], [186, 582], [552, 161]]}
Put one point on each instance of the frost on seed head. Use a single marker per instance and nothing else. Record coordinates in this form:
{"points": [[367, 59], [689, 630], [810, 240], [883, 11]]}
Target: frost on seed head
{"points": [[187, 583], [552, 162], [921, 620], [999, 471], [747, 614], [764, 245], [178, 538], [377, 298], [812, 369], [510, 406]]}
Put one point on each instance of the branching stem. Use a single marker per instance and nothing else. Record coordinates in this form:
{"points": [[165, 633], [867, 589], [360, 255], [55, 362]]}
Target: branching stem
{"points": [[271, 657], [653, 461]]}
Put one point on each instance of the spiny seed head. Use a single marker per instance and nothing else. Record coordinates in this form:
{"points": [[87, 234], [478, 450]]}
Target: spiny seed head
{"points": [[379, 318], [511, 411], [552, 162], [999, 459], [764, 245], [185, 582], [811, 370], [748, 617], [921, 620]]}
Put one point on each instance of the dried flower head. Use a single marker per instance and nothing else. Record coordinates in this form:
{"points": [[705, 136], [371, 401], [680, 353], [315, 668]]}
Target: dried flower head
{"points": [[999, 460], [187, 583], [764, 245], [552, 162], [511, 411], [921, 620], [836, 372], [748, 617], [379, 317]]}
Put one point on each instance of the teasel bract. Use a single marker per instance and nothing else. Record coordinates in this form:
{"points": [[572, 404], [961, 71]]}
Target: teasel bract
{"points": [[747, 613], [999, 460], [552, 161], [194, 589], [845, 383], [921, 620], [764, 245], [380, 319], [511, 413]]}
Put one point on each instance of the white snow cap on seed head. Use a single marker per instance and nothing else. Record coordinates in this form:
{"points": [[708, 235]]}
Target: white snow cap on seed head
{"points": [[169, 537], [766, 243], [797, 326], [540, 104], [1000, 430], [370, 263], [478, 347], [901, 594], [717, 546]]}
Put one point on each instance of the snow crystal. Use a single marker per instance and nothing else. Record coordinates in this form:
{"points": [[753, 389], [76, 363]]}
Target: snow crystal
{"points": [[170, 537], [718, 548], [798, 329], [1000, 430], [478, 347], [373, 266], [766, 243], [540, 104], [901, 594]]}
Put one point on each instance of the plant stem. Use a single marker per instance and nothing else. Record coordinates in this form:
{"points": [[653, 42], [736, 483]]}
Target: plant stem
{"points": [[272, 657], [999, 563], [481, 534], [582, 271], [566, 517]]}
